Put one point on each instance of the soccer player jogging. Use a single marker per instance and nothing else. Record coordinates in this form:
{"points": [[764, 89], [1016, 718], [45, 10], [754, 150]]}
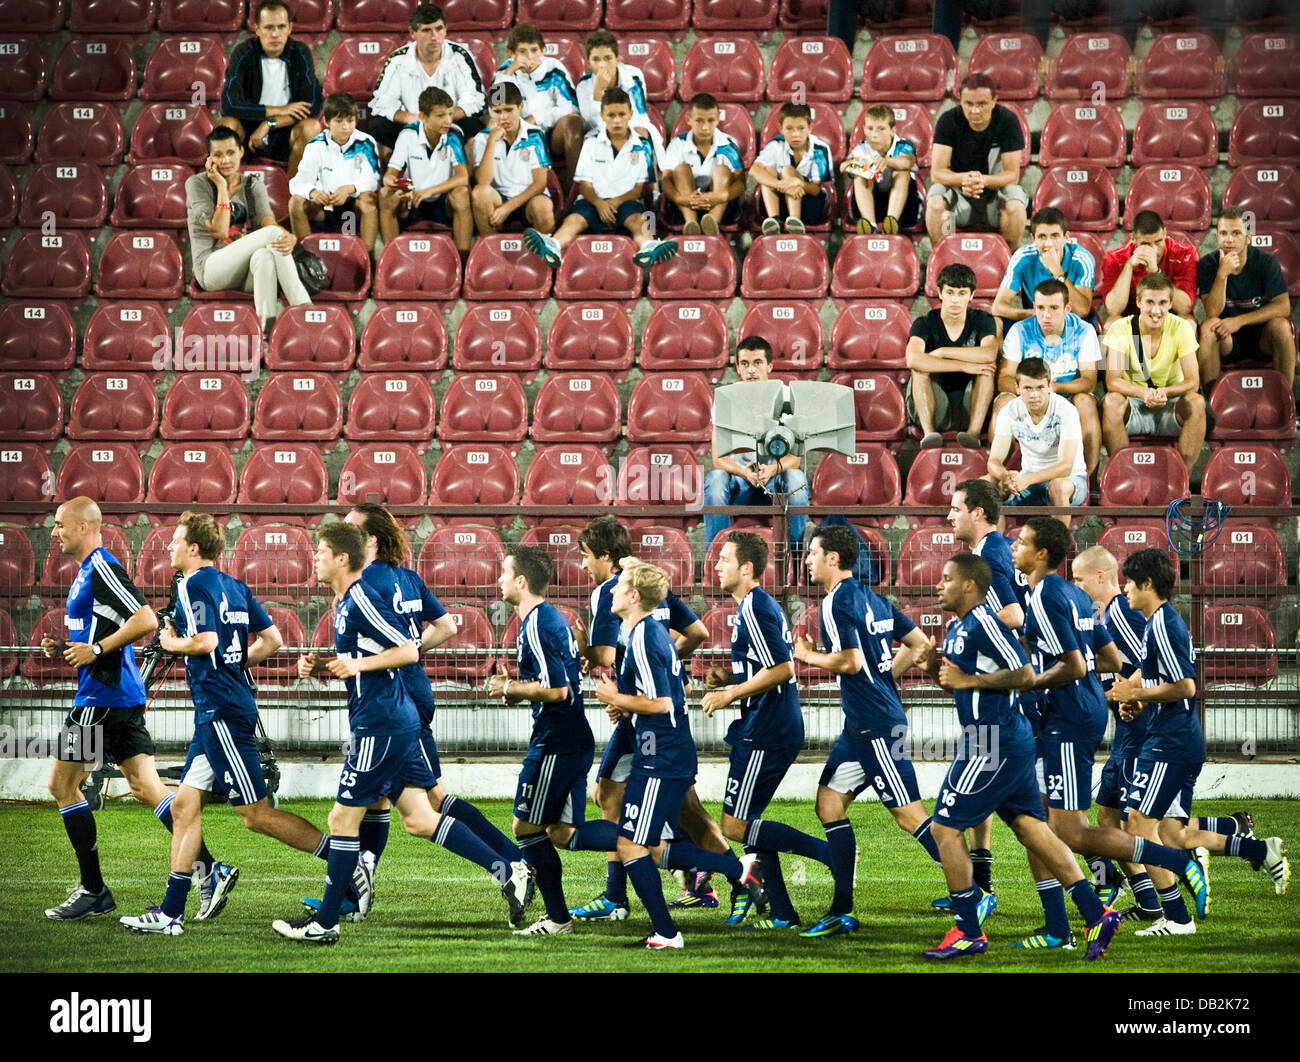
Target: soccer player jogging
{"points": [[650, 687], [858, 628], [1174, 750], [384, 759], [105, 615], [994, 767], [221, 630], [767, 737]]}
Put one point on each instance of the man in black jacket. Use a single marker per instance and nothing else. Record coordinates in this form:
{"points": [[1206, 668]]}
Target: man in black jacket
{"points": [[271, 96]]}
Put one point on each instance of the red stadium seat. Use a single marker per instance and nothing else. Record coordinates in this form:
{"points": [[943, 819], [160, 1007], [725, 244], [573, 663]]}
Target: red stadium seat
{"points": [[227, 337], [683, 337], [153, 567], [312, 19], [36, 337], [1079, 132], [922, 557], [275, 560], [48, 267], [123, 337], [281, 668], [560, 543], [1176, 133], [90, 133], [1013, 60], [141, 265], [31, 408], [392, 472], [671, 408], [500, 268], [418, 267], [669, 549], [1247, 474], [111, 16], [16, 138], [590, 336], [1266, 65], [68, 194], [878, 404], [567, 474], [1265, 131], [1084, 192], [920, 66], [727, 67], [26, 477], [1179, 194], [1144, 475], [869, 477], [599, 267], [577, 407], [299, 407], [566, 15], [17, 570], [870, 336], [481, 50], [1254, 404], [650, 53], [1182, 66], [151, 195], [464, 560], [794, 331], [704, 268], [9, 636], [373, 16], [720, 621], [93, 70], [177, 63], [23, 72], [803, 14], [827, 124], [1086, 59], [1129, 536], [1271, 191], [659, 16], [714, 552], [200, 16], [348, 263], [114, 406], [170, 131], [876, 267], [1238, 645], [733, 120], [483, 408], [731, 15], [60, 569], [200, 472], [284, 474], [986, 253], [468, 656], [404, 336], [1245, 560], [935, 474], [785, 267], [103, 472], [311, 337], [34, 666], [814, 68], [31, 16], [494, 337], [567, 50], [661, 475], [1282, 245], [201, 405], [8, 199], [391, 407], [322, 637], [912, 122], [479, 474], [276, 183], [354, 63], [933, 623]]}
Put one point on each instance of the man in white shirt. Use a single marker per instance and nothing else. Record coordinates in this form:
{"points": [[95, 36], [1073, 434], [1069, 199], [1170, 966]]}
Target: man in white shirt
{"points": [[338, 177], [511, 168], [1046, 425]]}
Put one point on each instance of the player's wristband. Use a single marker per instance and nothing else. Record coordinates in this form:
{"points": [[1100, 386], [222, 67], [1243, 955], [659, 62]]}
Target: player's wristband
{"points": [[505, 690]]}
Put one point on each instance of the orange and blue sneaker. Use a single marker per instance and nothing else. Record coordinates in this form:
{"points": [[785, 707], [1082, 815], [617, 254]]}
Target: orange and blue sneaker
{"points": [[957, 944], [831, 925], [699, 893], [1100, 934]]}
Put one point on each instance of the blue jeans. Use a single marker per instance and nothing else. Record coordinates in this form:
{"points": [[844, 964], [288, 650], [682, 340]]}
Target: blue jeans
{"points": [[722, 488]]}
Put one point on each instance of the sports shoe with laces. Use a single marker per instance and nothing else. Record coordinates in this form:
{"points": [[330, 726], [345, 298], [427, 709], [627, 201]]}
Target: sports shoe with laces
{"points": [[1245, 824], [547, 248], [795, 226], [1199, 886], [544, 927], [516, 891], [1163, 927], [956, 944], [709, 225], [1275, 862], [697, 892], [770, 227], [601, 909], [154, 921], [347, 909], [772, 923], [830, 925], [987, 904], [747, 894], [363, 880], [1041, 939], [1141, 914], [1101, 933], [82, 904], [307, 930], [652, 252], [215, 889], [655, 942]]}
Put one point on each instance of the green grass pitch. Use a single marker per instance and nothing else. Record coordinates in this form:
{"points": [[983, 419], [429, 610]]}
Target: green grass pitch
{"points": [[436, 912]]}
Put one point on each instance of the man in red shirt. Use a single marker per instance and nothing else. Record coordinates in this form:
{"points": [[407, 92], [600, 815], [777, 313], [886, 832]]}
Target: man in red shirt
{"points": [[1146, 251]]}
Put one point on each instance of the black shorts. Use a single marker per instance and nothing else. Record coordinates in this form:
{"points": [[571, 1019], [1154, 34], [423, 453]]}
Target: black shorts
{"points": [[673, 216], [913, 207], [104, 735], [433, 211], [277, 143], [1247, 345]]}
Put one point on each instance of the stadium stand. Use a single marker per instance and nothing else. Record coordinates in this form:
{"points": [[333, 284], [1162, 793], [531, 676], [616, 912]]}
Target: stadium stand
{"points": [[1253, 405], [36, 337], [23, 74], [299, 407], [47, 267], [206, 406], [31, 407], [1245, 474], [653, 56], [354, 64], [785, 267], [499, 268], [1013, 60], [391, 407], [413, 267], [27, 478], [1182, 66], [869, 477], [578, 407], [663, 16], [1238, 645], [704, 268], [483, 407], [178, 64], [728, 67], [1083, 191], [1172, 134], [921, 67], [671, 408], [133, 17], [685, 336], [122, 337], [152, 194], [312, 337], [590, 336], [813, 68], [1265, 65], [795, 333], [17, 141], [871, 337], [200, 16], [568, 474], [1271, 192], [1076, 132], [31, 16], [599, 267], [878, 406], [113, 406], [496, 337], [141, 265], [89, 133], [460, 561], [1143, 475], [348, 266], [986, 253], [392, 472], [103, 472], [284, 474], [1264, 132], [199, 472], [277, 557], [404, 336], [1085, 60], [476, 474]]}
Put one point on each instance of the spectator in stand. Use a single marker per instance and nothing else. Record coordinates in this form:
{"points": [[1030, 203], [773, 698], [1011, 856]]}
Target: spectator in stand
{"points": [[271, 97], [1147, 251], [235, 243], [339, 176], [737, 478], [952, 353], [704, 179], [1068, 345], [883, 166], [606, 70], [1050, 256], [975, 166], [614, 172], [790, 171], [1152, 385], [1246, 304], [1046, 427], [428, 177], [428, 61], [550, 101], [511, 168]]}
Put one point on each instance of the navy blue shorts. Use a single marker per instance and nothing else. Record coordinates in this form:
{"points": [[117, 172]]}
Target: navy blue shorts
{"points": [[382, 765], [223, 760], [980, 784], [651, 806], [868, 761], [552, 788], [429, 751], [1116, 782], [616, 761], [432, 210], [596, 227], [1068, 756], [812, 208], [672, 215], [1162, 789], [752, 778]]}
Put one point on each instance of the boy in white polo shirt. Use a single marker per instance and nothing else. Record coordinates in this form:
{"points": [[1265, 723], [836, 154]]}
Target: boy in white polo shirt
{"points": [[790, 171], [883, 164], [428, 177], [612, 175], [704, 177], [338, 175], [605, 70], [511, 166]]}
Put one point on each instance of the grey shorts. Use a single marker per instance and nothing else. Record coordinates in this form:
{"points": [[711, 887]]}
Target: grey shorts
{"points": [[951, 403], [1144, 421], [989, 206]]}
